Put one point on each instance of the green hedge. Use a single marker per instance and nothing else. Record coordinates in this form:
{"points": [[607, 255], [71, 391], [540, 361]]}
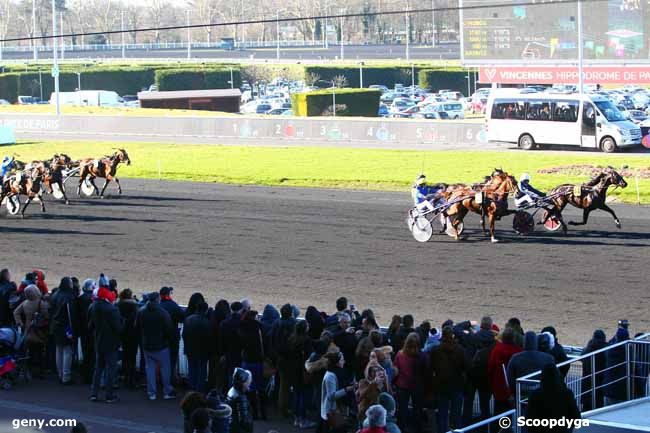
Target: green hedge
{"points": [[382, 75], [9, 87], [349, 102], [436, 79], [197, 79]]}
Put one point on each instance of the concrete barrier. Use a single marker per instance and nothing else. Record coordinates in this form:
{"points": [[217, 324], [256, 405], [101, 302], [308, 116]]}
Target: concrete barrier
{"points": [[338, 131]]}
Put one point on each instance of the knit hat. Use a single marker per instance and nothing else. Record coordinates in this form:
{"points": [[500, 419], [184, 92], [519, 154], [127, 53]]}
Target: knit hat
{"points": [[241, 376], [387, 402], [376, 416], [103, 281], [88, 285], [166, 291]]}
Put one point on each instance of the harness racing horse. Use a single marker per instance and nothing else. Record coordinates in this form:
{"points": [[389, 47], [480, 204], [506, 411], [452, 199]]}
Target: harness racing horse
{"points": [[491, 200], [105, 168], [54, 174], [589, 196], [27, 183]]}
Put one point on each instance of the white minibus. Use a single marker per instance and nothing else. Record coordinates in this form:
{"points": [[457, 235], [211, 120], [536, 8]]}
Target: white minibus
{"points": [[537, 119]]}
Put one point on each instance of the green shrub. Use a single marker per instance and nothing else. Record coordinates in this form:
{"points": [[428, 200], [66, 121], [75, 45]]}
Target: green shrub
{"points": [[454, 79], [197, 79], [349, 102], [9, 87]]}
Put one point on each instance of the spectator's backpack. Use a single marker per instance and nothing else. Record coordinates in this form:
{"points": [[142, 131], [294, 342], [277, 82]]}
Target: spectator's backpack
{"points": [[478, 372]]}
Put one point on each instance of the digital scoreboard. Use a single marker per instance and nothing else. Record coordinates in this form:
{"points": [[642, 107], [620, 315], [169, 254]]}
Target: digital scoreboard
{"points": [[498, 31]]}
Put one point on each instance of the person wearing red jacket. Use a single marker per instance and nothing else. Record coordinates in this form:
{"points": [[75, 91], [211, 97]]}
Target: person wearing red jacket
{"points": [[497, 366], [37, 278]]}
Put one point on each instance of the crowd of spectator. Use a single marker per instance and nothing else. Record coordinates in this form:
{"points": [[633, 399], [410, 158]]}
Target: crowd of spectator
{"points": [[335, 372]]}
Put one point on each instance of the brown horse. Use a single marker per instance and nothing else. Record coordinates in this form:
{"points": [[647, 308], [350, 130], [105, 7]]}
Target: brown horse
{"points": [[28, 183], [105, 168], [54, 174], [490, 200], [588, 196]]}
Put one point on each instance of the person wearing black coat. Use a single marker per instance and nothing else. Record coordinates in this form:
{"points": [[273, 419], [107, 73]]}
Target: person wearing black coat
{"points": [[84, 301], [229, 342], [216, 371], [558, 352], [478, 373], [252, 340], [197, 331], [616, 370], [553, 400], [128, 307], [280, 333], [7, 288], [156, 333], [598, 341], [64, 326], [404, 330], [177, 316], [107, 326]]}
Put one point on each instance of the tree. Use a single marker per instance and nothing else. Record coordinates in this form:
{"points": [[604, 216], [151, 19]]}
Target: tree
{"points": [[157, 9], [133, 14], [207, 11]]}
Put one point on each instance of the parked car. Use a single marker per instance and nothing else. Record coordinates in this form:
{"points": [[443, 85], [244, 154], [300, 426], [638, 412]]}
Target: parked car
{"points": [[27, 100], [637, 116], [452, 96], [383, 110], [4, 102], [400, 104], [431, 112], [381, 87], [431, 99], [452, 110], [276, 111], [406, 113], [287, 113]]}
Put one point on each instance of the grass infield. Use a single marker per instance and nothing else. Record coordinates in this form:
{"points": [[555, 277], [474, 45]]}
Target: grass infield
{"points": [[329, 167]]}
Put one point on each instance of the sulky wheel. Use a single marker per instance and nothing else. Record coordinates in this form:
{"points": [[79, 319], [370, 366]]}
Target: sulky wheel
{"points": [[421, 229], [454, 233], [523, 223], [87, 188], [56, 191], [552, 224], [13, 210]]}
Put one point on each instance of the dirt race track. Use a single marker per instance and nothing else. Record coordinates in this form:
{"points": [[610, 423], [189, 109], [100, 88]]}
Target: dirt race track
{"points": [[309, 246]]}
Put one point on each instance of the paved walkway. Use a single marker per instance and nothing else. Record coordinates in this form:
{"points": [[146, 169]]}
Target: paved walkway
{"points": [[47, 400]]}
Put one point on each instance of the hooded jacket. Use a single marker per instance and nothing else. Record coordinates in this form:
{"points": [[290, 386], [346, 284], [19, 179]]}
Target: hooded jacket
{"points": [[155, 327], [616, 368], [107, 325], [497, 363], [552, 401], [64, 314], [270, 315], [528, 361], [23, 314], [598, 341], [479, 365]]}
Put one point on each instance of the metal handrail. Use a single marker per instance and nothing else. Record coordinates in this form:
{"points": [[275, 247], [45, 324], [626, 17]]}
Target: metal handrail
{"points": [[485, 422]]}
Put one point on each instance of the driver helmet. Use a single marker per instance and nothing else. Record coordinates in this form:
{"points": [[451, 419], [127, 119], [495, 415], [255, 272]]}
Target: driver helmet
{"points": [[420, 180], [524, 177]]}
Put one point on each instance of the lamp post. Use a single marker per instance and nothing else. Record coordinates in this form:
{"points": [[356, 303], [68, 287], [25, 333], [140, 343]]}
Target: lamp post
{"points": [[408, 37], [122, 34], [341, 41], [412, 80], [361, 75], [189, 34], [78, 81], [433, 23], [232, 81], [55, 67], [325, 27], [61, 31], [35, 54], [333, 99], [580, 50], [277, 37]]}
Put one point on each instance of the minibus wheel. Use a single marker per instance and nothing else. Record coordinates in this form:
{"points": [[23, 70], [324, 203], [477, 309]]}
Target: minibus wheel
{"points": [[526, 142], [608, 145]]}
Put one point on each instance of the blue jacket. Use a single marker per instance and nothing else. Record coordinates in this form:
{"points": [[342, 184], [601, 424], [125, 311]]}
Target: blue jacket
{"points": [[420, 192], [7, 164]]}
